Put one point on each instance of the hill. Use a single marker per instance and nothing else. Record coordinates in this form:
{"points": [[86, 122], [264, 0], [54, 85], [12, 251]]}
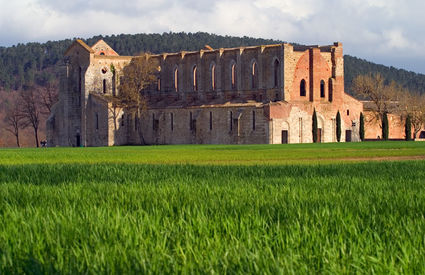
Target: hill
{"points": [[26, 65]]}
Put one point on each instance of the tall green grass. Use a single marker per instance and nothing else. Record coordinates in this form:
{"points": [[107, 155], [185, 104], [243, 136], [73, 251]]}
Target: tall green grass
{"points": [[132, 218], [217, 154]]}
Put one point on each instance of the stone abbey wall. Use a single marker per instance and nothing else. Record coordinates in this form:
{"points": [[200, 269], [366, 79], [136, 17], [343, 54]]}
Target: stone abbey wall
{"points": [[262, 94]]}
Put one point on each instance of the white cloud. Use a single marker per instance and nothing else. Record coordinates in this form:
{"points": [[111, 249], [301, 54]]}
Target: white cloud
{"points": [[395, 39], [371, 29]]}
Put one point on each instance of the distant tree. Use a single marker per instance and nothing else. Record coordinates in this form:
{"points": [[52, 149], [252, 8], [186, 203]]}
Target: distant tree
{"points": [[338, 126], [408, 128], [362, 130], [14, 120], [138, 75], [413, 106], [385, 127], [382, 96], [30, 111], [49, 95], [314, 126]]}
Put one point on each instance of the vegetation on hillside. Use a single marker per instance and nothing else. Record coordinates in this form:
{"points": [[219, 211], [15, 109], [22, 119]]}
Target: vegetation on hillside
{"points": [[354, 67], [25, 65], [32, 70]]}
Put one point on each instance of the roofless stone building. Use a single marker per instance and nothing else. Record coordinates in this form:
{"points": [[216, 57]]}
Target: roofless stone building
{"points": [[262, 94]]}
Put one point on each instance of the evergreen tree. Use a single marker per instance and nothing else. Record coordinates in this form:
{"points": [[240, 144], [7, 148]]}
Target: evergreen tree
{"points": [[314, 126], [408, 128], [338, 127], [361, 130], [385, 127]]}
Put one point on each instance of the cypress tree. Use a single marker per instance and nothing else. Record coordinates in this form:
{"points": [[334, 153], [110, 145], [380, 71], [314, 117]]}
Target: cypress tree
{"points": [[385, 127], [314, 126], [408, 128], [361, 130], [338, 127]]}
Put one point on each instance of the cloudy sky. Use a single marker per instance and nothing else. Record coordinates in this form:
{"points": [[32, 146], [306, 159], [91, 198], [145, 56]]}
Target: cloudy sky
{"points": [[390, 32]]}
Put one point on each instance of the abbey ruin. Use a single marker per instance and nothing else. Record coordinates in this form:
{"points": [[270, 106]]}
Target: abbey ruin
{"points": [[246, 95]]}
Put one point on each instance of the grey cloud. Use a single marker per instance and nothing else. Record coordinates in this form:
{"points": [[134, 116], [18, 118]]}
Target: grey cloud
{"points": [[385, 31]]}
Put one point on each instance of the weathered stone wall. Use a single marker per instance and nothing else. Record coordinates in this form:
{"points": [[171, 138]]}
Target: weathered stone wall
{"points": [[264, 100], [373, 128], [209, 125]]}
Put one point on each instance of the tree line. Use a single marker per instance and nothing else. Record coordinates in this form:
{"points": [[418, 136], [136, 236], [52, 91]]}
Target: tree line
{"points": [[29, 109], [390, 98], [30, 73], [24, 66]]}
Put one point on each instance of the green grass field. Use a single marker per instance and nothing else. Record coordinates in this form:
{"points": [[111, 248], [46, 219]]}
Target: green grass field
{"points": [[316, 208]]}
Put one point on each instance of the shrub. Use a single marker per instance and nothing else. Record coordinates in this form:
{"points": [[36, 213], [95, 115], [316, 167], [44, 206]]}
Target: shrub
{"points": [[338, 127], [385, 127], [408, 128], [314, 126], [361, 130]]}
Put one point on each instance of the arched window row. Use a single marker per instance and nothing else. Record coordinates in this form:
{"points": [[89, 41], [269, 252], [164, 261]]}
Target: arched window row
{"points": [[303, 91], [233, 76]]}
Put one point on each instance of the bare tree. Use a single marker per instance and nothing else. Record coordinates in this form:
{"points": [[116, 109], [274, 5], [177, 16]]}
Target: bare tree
{"points": [[138, 75], [413, 105], [14, 120], [384, 97], [48, 96], [30, 111]]}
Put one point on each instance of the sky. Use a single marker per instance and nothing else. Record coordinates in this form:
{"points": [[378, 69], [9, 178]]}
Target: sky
{"points": [[389, 32]]}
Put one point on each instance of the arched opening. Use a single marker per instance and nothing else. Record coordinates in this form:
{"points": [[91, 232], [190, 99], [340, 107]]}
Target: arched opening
{"points": [[158, 84], [213, 77], [114, 93], [302, 88], [253, 120], [322, 88], [233, 76], [195, 78], [211, 121], [330, 90], [79, 79], [158, 79], [176, 79], [254, 76], [276, 73], [97, 121], [78, 139]]}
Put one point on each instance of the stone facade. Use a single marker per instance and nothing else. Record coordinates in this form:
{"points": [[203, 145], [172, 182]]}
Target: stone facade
{"points": [[262, 94]]}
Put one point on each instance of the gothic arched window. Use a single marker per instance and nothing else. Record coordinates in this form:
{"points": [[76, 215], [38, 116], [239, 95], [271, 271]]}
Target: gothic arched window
{"points": [[276, 73], [233, 76], [302, 88], [254, 76], [195, 78], [330, 90], [176, 79], [322, 88], [213, 86]]}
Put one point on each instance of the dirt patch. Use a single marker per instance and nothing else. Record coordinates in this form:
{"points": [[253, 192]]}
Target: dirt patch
{"points": [[386, 158]]}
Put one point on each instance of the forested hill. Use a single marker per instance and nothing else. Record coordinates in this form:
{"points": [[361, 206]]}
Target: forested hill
{"points": [[354, 66], [26, 65]]}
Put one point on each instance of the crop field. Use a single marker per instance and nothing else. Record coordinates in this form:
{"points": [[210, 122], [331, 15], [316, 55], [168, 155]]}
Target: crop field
{"points": [[311, 208]]}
